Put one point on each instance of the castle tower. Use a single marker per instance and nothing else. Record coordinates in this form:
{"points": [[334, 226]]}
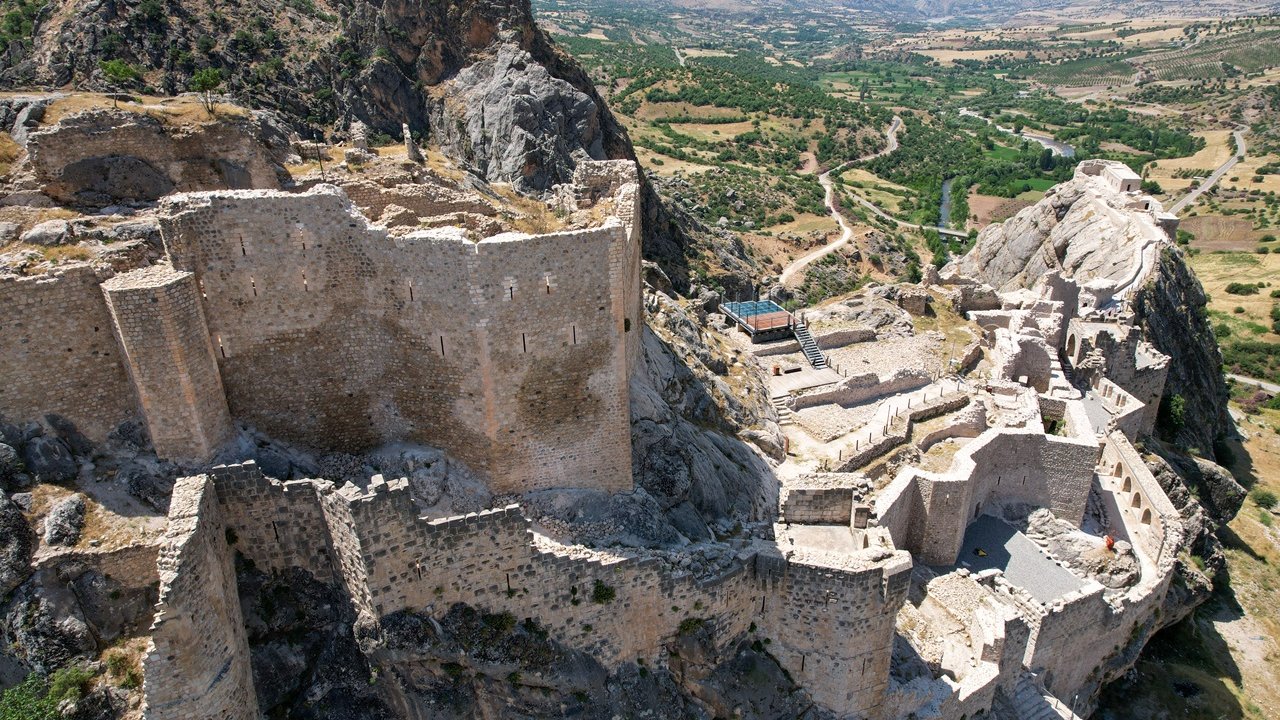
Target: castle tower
{"points": [[161, 328]]}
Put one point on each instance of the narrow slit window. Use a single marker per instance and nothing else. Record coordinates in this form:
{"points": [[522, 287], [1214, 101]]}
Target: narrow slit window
{"points": [[441, 346], [242, 250], [253, 285], [305, 286], [524, 342], [410, 291], [221, 348], [575, 334], [511, 291]]}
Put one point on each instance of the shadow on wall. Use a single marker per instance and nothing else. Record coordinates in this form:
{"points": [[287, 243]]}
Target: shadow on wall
{"points": [[687, 456]]}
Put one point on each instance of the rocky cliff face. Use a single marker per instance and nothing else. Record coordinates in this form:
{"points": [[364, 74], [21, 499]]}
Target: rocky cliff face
{"points": [[478, 78]]}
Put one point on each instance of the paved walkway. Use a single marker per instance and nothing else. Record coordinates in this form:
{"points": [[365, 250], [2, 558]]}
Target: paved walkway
{"points": [[1023, 562]]}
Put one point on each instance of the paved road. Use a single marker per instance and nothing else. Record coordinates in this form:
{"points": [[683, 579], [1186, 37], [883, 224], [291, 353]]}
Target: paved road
{"points": [[846, 230], [1217, 175], [1269, 387]]}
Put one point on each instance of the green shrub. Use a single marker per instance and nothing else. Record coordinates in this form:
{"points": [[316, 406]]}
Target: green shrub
{"points": [[690, 625], [602, 594], [1264, 498], [1236, 288], [1171, 415]]}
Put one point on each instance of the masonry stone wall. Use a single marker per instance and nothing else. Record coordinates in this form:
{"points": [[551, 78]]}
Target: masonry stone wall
{"points": [[927, 513], [830, 627], [159, 324], [859, 389], [58, 355], [197, 665], [816, 505], [1151, 521], [276, 525], [511, 353]]}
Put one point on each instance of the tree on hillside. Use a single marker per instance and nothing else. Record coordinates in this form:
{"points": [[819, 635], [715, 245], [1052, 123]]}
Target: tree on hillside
{"points": [[205, 82], [120, 74]]}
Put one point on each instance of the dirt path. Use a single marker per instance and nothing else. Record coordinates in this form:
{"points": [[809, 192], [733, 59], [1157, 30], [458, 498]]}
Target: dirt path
{"points": [[790, 272]]}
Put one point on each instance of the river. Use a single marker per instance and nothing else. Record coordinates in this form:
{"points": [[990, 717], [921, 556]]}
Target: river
{"points": [[1057, 146], [944, 211]]}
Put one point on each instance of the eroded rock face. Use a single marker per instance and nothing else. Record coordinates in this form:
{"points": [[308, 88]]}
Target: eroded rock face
{"points": [[508, 117], [103, 157], [17, 543], [686, 419]]}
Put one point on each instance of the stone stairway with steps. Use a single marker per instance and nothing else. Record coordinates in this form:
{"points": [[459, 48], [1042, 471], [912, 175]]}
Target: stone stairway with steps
{"points": [[786, 416], [1030, 702], [810, 347]]}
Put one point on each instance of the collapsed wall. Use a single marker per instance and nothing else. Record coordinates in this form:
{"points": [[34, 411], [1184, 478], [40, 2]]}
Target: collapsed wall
{"points": [[830, 627]]}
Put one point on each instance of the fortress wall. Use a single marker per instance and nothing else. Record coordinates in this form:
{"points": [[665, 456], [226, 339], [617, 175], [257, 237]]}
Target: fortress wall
{"points": [[1059, 646], [1028, 466], [1147, 386], [158, 321], [900, 509], [197, 665], [509, 353], [58, 354], [1152, 522], [927, 513], [833, 505], [488, 560], [276, 525], [556, 338], [832, 628]]}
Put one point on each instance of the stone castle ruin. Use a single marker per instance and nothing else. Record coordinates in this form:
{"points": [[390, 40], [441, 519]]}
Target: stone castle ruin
{"points": [[292, 313], [977, 539]]}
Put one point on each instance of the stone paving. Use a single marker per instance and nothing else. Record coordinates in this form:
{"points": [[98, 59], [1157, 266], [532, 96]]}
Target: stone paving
{"points": [[1024, 563]]}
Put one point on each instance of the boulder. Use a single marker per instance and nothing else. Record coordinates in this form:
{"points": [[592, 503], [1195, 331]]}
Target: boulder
{"points": [[49, 232], [147, 481], [64, 522], [48, 460], [10, 466]]}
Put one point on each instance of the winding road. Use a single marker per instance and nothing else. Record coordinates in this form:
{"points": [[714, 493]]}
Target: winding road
{"points": [[1236, 156], [828, 187]]}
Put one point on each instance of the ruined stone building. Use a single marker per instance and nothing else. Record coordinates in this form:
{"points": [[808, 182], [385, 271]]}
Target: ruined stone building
{"points": [[291, 313]]}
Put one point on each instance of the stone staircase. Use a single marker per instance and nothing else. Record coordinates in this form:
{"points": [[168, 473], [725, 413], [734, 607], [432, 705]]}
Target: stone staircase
{"points": [[1030, 702], [810, 347], [785, 414]]}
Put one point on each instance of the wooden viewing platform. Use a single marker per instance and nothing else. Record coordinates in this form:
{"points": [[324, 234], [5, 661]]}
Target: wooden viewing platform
{"points": [[763, 320]]}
